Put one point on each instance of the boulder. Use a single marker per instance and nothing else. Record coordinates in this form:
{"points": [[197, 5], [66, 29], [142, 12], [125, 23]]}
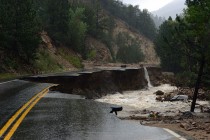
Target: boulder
{"points": [[159, 92], [179, 98], [159, 98], [186, 126]]}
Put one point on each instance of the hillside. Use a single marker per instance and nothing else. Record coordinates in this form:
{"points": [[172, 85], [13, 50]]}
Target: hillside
{"points": [[171, 9], [146, 45], [101, 53], [97, 32]]}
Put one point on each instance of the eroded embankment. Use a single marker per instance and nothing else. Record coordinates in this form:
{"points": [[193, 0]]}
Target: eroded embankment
{"points": [[95, 84]]}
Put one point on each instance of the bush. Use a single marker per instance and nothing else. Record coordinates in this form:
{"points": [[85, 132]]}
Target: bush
{"points": [[7, 76], [129, 49], [185, 78], [45, 63], [73, 59], [91, 55]]}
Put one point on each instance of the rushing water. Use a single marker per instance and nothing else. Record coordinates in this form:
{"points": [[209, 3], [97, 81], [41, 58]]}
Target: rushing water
{"points": [[147, 78], [134, 102]]}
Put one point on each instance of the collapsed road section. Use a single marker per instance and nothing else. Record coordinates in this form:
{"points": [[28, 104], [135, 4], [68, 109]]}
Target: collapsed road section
{"points": [[96, 83]]}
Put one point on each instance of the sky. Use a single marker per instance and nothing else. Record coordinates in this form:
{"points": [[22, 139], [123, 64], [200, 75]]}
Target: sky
{"points": [[151, 5]]}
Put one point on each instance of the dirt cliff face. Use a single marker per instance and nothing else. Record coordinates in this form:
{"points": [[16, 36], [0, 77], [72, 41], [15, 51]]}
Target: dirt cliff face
{"points": [[147, 45], [103, 53], [100, 83], [155, 74]]}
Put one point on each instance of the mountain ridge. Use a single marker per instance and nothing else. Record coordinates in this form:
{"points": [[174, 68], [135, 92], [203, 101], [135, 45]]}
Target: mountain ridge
{"points": [[171, 9]]}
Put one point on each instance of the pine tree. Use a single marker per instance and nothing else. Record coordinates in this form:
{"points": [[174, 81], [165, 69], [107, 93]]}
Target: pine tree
{"points": [[56, 19], [197, 39], [19, 29]]}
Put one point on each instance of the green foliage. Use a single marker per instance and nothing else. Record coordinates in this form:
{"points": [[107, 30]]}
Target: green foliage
{"points": [[129, 51], [19, 30], [168, 48], [7, 76], [78, 30], [191, 36], [55, 18], [73, 59], [68, 22], [136, 18], [91, 55], [45, 63], [158, 20], [107, 39], [186, 78]]}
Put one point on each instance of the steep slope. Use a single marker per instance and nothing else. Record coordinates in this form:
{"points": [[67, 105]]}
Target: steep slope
{"points": [[56, 52], [171, 9], [100, 52], [146, 45], [103, 54]]}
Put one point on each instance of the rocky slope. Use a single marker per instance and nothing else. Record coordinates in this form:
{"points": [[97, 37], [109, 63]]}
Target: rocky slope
{"points": [[147, 45], [103, 54], [100, 54]]}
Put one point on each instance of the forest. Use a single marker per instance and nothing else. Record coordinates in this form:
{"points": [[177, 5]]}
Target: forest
{"points": [[68, 23], [183, 46]]}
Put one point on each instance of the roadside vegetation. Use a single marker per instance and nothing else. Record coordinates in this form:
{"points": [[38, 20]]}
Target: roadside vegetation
{"points": [[45, 63], [183, 45], [68, 23], [76, 61]]}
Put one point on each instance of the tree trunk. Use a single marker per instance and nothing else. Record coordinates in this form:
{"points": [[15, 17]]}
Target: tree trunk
{"points": [[197, 85]]}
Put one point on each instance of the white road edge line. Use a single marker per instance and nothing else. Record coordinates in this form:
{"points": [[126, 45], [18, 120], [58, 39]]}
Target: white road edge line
{"points": [[8, 82], [175, 134]]}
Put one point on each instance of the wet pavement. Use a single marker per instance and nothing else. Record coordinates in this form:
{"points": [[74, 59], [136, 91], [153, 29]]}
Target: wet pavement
{"points": [[65, 116], [73, 118], [14, 94]]}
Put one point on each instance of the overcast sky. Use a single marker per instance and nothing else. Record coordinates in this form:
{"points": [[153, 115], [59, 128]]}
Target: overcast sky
{"points": [[151, 5]]}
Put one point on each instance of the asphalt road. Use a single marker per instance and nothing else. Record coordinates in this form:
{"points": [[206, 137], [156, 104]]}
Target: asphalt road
{"points": [[62, 116]]}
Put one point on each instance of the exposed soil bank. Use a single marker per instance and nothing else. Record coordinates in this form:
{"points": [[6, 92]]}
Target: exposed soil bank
{"points": [[97, 83]]}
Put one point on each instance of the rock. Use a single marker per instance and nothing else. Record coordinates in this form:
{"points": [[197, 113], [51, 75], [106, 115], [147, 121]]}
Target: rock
{"points": [[159, 98], [167, 96], [123, 66], [159, 92], [186, 126], [143, 122], [177, 118], [193, 123], [179, 98], [178, 121], [187, 115]]}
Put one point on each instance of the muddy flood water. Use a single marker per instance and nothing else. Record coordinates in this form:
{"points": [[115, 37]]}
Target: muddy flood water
{"points": [[136, 102]]}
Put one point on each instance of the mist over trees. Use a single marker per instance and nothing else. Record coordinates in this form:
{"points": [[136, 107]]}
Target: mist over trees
{"points": [[138, 19]]}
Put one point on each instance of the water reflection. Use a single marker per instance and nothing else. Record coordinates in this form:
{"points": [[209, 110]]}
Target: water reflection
{"points": [[80, 120]]}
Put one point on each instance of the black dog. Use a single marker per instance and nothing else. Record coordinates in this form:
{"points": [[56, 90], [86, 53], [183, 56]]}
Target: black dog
{"points": [[115, 109]]}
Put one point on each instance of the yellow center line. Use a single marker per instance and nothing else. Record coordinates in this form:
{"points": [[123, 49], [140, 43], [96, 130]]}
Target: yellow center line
{"points": [[18, 122], [12, 119]]}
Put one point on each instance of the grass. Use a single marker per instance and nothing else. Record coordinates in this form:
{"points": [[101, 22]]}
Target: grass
{"points": [[73, 59], [91, 55], [45, 63], [7, 76]]}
